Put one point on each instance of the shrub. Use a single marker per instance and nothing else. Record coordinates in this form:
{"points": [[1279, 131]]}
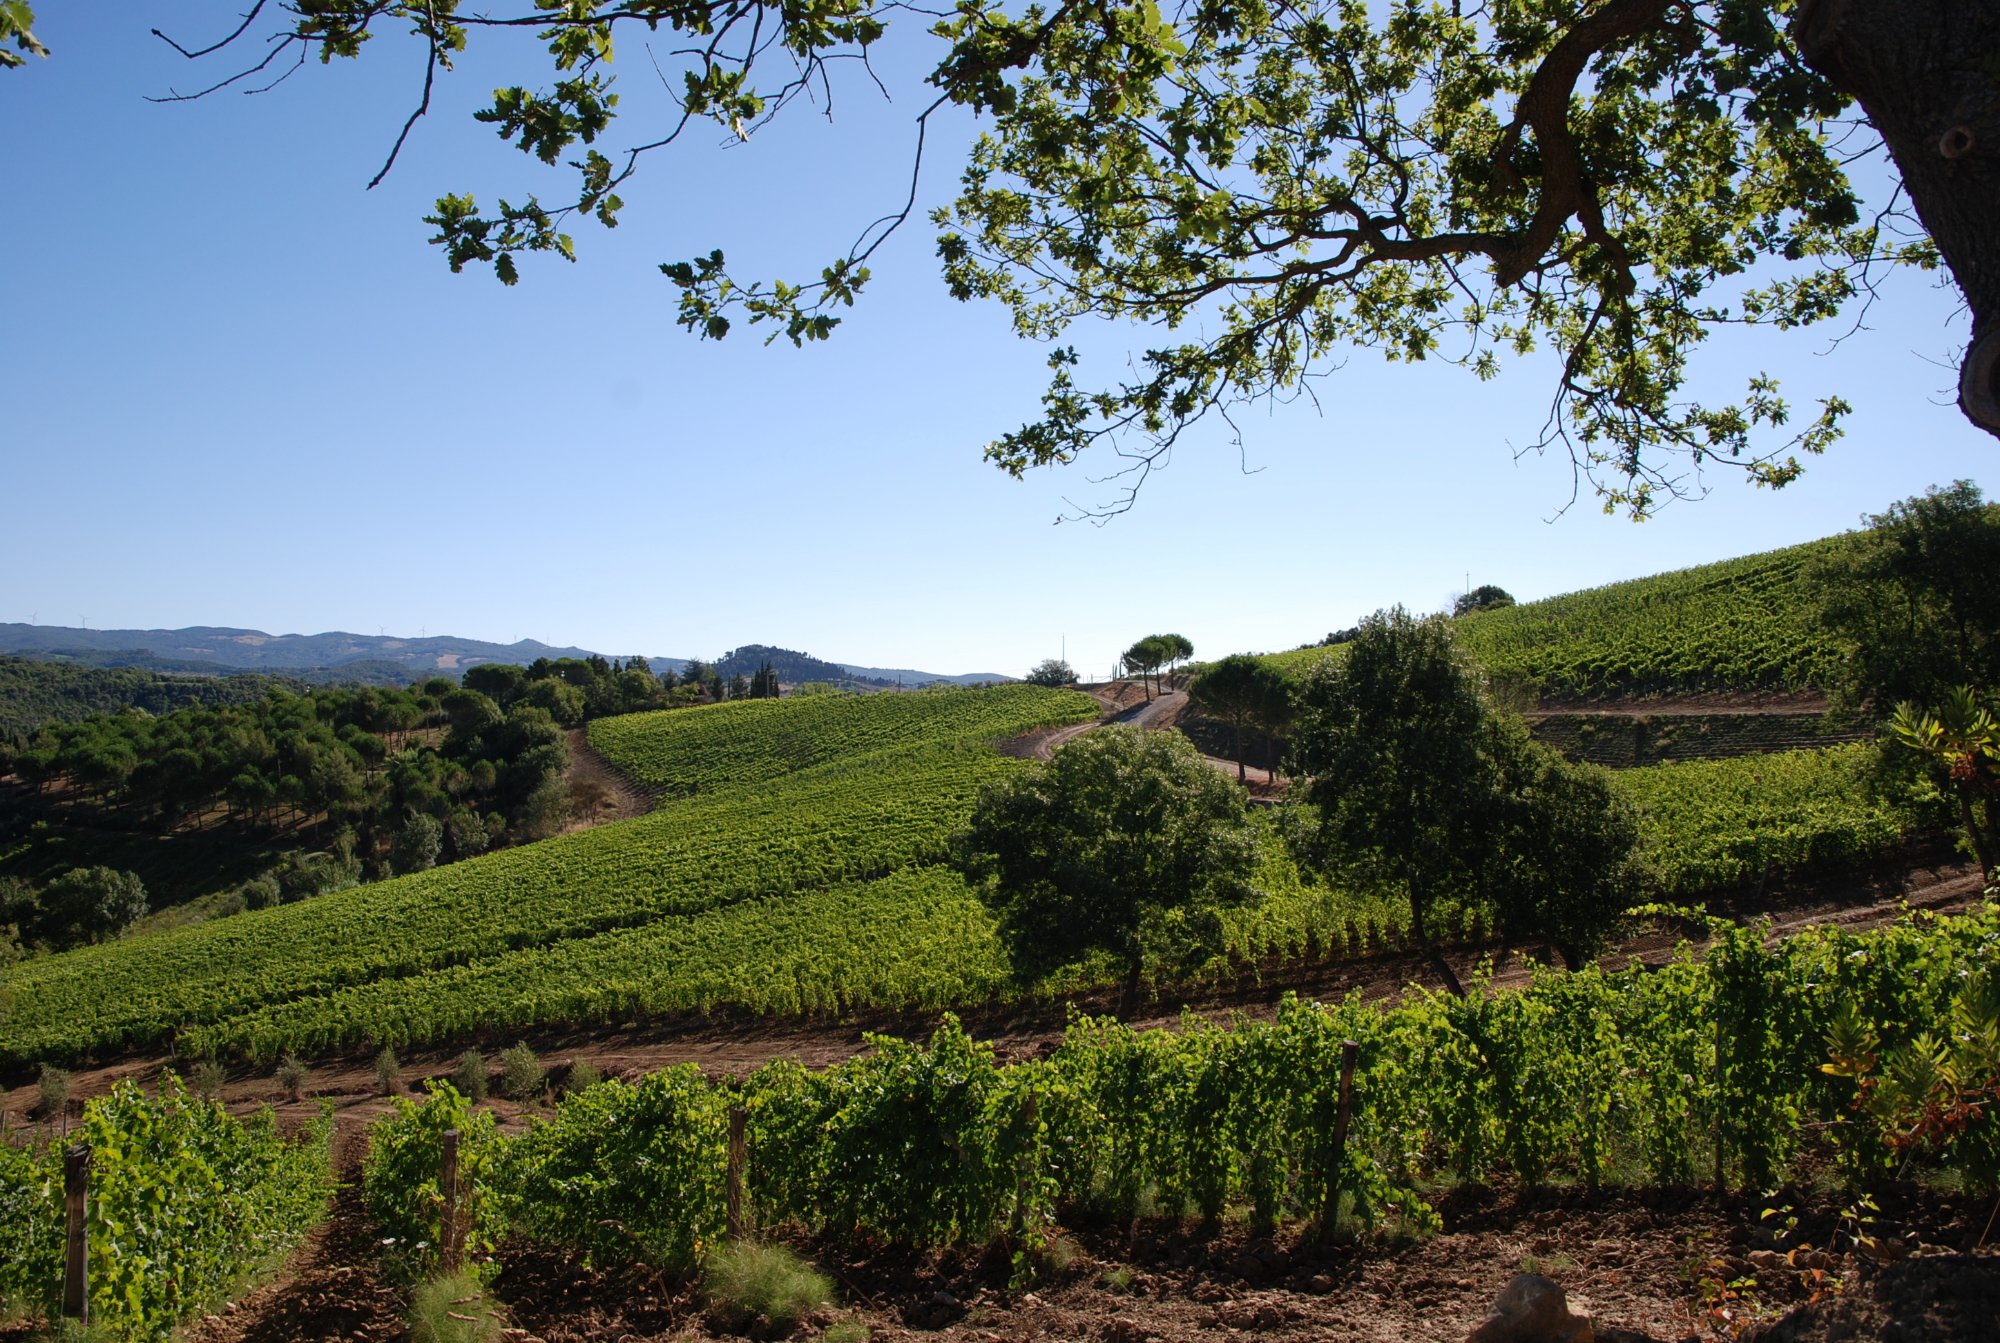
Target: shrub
{"points": [[583, 1075], [748, 1280], [470, 1076], [454, 1309], [388, 1072], [54, 1088], [522, 1076], [292, 1076], [206, 1078]]}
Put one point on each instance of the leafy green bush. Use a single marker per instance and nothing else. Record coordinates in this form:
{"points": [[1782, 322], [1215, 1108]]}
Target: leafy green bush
{"points": [[399, 1180], [292, 1076], [629, 1170], [470, 1075], [522, 1075], [184, 1203], [1711, 1063]]}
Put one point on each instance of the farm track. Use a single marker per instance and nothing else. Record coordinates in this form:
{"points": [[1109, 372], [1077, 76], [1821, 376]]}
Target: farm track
{"points": [[591, 777]]}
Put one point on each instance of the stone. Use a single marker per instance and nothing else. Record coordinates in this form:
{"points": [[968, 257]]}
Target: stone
{"points": [[1532, 1309], [1123, 1329]]}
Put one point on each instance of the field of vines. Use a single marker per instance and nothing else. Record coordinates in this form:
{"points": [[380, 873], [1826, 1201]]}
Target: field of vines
{"points": [[1706, 824], [817, 891], [1736, 1066], [739, 745], [1740, 625], [185, 1203], [852, 819]]}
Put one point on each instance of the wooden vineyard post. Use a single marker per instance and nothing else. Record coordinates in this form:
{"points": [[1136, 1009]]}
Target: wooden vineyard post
{"points": [[1023, 1182], [739, 1152], [1721, 1102], [451, 1228], [1338, 1157], [76, 1234]]}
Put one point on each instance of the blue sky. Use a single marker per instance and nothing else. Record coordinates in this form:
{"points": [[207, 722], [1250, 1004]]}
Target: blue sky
{"points": [[242, 390]]}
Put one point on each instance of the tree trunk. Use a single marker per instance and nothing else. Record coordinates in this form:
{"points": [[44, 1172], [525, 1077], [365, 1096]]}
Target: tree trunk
{"points": [[1417, 902], [1924, 72], [1241, 773]]}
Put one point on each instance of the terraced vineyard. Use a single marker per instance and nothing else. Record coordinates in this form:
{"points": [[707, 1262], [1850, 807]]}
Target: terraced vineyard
{"points": [[734, 746], [1740, 625], [414, 940], [782, 893]]}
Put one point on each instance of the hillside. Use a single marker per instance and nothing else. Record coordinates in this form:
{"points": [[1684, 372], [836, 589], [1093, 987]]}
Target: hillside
{"points": [[803, 874], [203, 648], [33, 693], [1737, 626], [770, 890]]}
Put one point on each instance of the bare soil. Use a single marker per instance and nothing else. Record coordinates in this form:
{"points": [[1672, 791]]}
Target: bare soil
{"points": [[599, 791]]}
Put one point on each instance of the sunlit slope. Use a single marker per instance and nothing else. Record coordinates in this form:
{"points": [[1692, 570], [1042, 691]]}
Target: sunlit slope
{"points": [[858, 816], [730, 747], [1739, 625]]}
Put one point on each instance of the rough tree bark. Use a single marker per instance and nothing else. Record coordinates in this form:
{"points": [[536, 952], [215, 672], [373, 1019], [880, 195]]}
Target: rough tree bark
{"points": [[1927, 73]]}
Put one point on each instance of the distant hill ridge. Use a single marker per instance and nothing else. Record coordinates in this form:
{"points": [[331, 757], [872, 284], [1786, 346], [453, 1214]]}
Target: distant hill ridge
{"points": [[215, 650]]}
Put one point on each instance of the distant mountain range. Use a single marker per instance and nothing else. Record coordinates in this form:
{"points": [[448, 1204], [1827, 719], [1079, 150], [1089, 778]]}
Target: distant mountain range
{"points": [[380, 659]]}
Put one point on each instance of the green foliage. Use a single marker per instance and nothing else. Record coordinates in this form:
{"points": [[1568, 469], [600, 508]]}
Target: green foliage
{"points": [[388, 1073], [749, 1281], [210, 798], [89, 904], [185, 1203], [1486, 597], [1960, 741], [1710, 1063], [849, 818], [52, 1092], [916, 940], [522, 1074], [1126, 841], [469, 1075], [734, 747], [34, 693], [454, 1308], [633, 1171], [583, 1075], [291, 1076], [1933, 1095], [1910, 603], [1712, 824], [1053, 673], [1418, 783], [399, 1179], [1742, 624], [17, 22], [1243, 691]]}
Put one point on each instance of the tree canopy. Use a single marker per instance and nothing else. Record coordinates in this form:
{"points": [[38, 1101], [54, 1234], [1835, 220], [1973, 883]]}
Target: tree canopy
{"points": [[1419, 785], [1125, 842], [1268, 185], [1054, 673], [1244, 691], [1912, 601]]}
